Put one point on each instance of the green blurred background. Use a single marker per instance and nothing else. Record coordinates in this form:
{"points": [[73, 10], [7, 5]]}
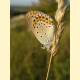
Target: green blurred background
{"points": [[27, 60]]}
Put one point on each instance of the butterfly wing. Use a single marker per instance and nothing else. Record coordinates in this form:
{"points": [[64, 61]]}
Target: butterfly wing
{"points": [[43, 32], [42, 26]]}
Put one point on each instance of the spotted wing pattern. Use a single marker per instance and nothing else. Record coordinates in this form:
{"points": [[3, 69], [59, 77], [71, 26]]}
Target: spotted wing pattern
{"points": [[42, 26]]}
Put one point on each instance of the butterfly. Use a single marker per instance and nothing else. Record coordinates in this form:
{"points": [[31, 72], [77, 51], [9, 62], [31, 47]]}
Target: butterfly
{"points": [[42, 26]]}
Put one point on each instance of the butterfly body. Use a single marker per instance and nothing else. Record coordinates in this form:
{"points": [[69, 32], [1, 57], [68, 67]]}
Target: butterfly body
{"points": [[42, 26]]}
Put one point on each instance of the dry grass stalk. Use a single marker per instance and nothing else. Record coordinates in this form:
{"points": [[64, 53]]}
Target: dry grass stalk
{"points": [[58, 17]]}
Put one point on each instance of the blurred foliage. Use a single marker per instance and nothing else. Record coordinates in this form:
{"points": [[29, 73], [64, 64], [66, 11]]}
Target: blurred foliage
{"points": [[27, 60]]}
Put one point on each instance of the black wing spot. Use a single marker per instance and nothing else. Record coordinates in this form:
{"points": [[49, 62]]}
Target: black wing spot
{"points": [[41, 22], [34, 20], [46, 18], [34, 27], [32, 16], [37, 32], [44, 23], [41, 36]]}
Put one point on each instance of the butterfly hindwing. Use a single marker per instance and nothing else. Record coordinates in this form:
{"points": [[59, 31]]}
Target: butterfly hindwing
{"points": [[42, 26], [43, 32]]}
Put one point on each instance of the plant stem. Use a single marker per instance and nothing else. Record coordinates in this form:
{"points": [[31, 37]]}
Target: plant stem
{"points": [[52, 55]]}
